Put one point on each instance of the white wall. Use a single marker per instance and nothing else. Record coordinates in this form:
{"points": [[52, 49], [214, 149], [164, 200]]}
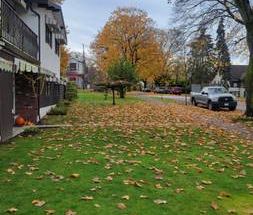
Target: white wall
{"points": [[79, 67], [45, 110], [49, 59]]}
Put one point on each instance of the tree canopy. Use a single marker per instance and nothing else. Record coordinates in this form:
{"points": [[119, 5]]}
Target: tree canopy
{"points": [[122, 70], [129, 33], [192, 13]]}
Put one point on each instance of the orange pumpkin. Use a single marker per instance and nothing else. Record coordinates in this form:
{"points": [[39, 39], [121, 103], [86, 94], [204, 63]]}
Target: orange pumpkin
{"points": [[20, 121]]}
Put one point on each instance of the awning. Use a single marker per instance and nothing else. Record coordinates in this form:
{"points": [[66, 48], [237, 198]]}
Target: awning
{"points": [[6, 65], [24, 66], [46, 72], [53, 25]]}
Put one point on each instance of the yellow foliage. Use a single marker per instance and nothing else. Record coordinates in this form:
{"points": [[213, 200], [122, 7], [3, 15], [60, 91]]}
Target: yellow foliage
{"points": [[129, 33], [64, 57]]}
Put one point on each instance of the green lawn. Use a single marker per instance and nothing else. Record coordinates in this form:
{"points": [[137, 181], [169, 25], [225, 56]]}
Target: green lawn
{"points": [[106, 169]]}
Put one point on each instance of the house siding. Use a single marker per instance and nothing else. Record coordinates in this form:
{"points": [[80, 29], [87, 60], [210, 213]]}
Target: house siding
{"points": [[17, 95], [6, 105], [49, 59]]}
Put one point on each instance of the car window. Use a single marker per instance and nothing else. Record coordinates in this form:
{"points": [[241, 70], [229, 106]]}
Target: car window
{"points": [[218, 90], [204, 90]]}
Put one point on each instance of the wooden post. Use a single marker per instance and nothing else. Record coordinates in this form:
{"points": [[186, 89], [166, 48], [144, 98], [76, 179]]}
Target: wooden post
{"points": [[113, 96]]}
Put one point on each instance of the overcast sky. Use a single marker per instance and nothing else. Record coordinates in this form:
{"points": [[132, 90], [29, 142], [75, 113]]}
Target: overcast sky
{"points": [[85, 18]]}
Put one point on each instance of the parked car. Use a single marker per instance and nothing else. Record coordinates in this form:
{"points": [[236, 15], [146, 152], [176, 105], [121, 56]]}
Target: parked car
{"points": [[176, 90], [147, 90], [214, 98], [161, 90]]}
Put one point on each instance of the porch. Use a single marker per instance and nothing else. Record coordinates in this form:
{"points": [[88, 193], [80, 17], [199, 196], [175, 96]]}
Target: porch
{"points": [[15, 36]]}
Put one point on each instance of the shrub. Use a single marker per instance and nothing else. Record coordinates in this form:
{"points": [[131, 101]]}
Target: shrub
{"points": [[60, 109], [71, 91], [66, 103], [31, 131]]}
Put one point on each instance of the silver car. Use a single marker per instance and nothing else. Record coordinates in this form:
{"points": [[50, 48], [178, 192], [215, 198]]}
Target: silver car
{"points": [[214, 98]]}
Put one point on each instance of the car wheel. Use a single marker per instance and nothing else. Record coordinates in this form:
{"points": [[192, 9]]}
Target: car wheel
{"points": [[232, 108], [194, 102], [210, 106]]}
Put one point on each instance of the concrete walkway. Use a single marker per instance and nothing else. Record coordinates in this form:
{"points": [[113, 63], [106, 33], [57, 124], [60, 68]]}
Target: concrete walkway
{"points": [[19, 130]]}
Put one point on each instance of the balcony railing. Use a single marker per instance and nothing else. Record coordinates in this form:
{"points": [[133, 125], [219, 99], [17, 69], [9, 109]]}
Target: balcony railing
{"points": [[16, 32]]}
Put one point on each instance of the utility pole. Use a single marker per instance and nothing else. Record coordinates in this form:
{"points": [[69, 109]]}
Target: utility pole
{"points": [[84, 68]]}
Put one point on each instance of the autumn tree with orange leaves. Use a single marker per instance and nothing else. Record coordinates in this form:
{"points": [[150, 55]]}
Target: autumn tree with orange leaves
{"points": [[129, 34], [64, 58]]}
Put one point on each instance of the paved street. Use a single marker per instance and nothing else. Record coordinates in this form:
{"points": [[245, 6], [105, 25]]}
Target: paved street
{"points": [[181, 99]]}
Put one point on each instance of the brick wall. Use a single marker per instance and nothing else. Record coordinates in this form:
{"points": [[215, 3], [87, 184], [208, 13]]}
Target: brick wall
{"points": [[26, 102]]}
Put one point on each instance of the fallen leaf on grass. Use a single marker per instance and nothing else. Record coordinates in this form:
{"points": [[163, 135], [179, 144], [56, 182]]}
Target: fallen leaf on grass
{"points": [[232, 211], [49, 212], [158, 186], [11, 171], [87, 198], [224, 194], [29, 173], [97, 206], [96, 180], [75, 175], [143, 197], [214, 206], [250, 165], [12, 210], [70, 212], [200, 187], [109, 178], [121, 206], [38, 203], [126, 197], [179, 190], [160, 201], [206, 182]]}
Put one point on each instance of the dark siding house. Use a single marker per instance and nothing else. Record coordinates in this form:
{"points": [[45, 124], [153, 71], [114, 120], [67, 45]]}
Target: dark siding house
{"points": [[238, 73], [236, 82]]}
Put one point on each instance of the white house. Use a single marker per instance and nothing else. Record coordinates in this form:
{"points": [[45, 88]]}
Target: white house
{"points": [[30, 38], [77, 68]]}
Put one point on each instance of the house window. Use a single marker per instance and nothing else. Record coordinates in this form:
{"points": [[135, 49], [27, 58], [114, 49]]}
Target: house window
{"points": [[49, 36], [48, 89], [72, 66], [57, 47]]}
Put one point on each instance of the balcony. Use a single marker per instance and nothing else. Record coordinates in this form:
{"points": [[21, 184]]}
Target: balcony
{"points": [[16, 34]]}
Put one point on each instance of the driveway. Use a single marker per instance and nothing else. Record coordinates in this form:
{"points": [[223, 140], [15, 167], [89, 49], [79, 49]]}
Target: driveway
{"points": [[181, 99], [216, 120]]}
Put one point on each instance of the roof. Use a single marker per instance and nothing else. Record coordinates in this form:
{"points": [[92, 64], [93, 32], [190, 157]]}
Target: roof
{"points": [[57, 11], [238, 72], [48, 4]]}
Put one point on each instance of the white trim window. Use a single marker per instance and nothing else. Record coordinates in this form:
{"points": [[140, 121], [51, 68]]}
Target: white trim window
{"points": [[49, 36]]}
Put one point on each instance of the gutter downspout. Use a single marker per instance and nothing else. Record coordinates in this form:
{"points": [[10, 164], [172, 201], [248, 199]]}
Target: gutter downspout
{"points": [[39, 38]]}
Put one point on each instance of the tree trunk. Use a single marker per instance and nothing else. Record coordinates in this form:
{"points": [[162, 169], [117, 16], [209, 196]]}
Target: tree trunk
{"points": [[145, 83], [249, 75], [122, 92], [113, 97]]}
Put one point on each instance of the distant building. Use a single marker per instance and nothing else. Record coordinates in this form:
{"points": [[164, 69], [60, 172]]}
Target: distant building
{"points": [[238, 73], [76, 69]]}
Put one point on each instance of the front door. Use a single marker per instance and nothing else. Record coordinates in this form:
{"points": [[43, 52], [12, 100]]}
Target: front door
{"points": [[6, 105]]}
